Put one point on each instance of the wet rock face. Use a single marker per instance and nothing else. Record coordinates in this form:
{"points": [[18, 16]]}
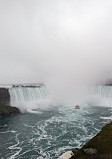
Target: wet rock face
{"points": [[6, 110], [75, 150], [90, 151], [4, 96]]}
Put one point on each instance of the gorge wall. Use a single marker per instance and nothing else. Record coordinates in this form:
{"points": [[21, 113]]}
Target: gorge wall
{"points": [[4, 96]]}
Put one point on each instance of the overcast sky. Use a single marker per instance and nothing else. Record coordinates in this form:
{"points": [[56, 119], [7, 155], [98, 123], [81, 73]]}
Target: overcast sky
{"points": [[58, 42]]}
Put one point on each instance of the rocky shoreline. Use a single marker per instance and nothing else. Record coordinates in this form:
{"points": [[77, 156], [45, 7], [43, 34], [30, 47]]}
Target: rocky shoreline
{"points": [[99, 147]]}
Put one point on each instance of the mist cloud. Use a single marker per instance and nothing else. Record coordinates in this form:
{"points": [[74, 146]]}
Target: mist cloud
{"points": [[61, 43]]}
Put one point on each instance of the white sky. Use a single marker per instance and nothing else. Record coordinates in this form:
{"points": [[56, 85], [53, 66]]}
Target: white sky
{"points": [[59, 42]]}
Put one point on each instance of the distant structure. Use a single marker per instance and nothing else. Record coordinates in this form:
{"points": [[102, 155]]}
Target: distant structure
{"points": [[22, 85]]}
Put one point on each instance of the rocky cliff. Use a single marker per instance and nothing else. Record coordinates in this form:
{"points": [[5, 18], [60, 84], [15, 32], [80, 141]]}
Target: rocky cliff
{"points": [[4, 96], [5, 109]]}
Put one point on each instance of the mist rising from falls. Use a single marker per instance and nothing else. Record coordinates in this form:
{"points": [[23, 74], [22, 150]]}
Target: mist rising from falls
{"points": [[32, 98], [64, 44]]}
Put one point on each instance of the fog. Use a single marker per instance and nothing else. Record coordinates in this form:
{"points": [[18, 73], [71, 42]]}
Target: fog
{"points": [[64, 44]]}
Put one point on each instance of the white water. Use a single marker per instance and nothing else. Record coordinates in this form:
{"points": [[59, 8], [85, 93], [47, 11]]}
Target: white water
{"points": [[100, 96], [104, 91], [30, 98]]}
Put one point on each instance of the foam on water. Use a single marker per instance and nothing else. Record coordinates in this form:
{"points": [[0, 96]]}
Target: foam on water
{"points": [[15, 147], [110, 117], [51, 133], [46, 131]]}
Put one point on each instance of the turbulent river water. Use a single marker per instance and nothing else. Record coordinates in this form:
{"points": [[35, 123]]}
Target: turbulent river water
{"points": [[46, 134]]}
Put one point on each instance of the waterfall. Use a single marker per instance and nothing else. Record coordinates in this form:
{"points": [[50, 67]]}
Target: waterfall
{"points": [[100, 96], [37, 97], [27, 97], [104, 91]]}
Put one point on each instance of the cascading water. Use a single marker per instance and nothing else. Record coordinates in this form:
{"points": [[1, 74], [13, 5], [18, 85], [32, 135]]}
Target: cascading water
{"points": [[35, 97], [30, 98], [104, 91], [100, 96], [27, 97]]}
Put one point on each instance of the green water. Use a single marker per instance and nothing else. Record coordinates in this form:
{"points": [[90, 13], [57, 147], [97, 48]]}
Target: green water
{"points": [[46, 134]]}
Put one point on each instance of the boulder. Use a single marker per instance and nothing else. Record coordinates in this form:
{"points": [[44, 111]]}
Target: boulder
{"points": [[66, 155], [6, 110]]}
